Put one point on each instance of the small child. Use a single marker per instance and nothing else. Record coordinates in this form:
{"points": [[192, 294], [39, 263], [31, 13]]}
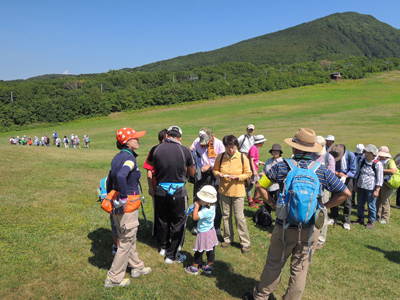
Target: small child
{"points": [[206, 239]]}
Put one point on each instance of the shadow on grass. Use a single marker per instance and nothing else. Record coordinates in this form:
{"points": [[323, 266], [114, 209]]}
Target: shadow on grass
{"points": [[101, 248], [234, 284], [393, 256]]}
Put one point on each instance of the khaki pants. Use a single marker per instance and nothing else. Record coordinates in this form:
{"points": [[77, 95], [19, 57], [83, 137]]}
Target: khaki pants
{"points": [[127, 226], [271, 275], [324, 229], [236, 205], [383, 203]]}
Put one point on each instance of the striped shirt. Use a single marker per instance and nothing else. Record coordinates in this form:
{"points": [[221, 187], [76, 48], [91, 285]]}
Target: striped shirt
{"points": [[328, 180]]}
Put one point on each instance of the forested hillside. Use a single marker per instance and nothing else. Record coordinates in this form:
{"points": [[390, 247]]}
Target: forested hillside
{"points": [[334, 37], [46, 100]]}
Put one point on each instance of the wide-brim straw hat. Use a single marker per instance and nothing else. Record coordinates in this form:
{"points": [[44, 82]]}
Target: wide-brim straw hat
{"points": [[304, 140], [337, 151], [207, 194]]}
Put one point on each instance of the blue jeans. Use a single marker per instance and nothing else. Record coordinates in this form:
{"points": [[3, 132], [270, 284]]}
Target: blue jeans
{"points": [[363, 196]]}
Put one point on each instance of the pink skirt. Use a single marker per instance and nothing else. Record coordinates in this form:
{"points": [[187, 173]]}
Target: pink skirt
{"points": [[205, 241]]}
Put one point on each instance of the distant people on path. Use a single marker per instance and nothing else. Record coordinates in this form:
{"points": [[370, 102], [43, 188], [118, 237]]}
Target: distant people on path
{"points": [[369, 180], [58, 142], [328, 161], [86, 141], [172, 162], [296, 239], [254, 161], [72, 141], [124, 177], [233, 168], [345, 169], [207, 147], [66, 141], [383, 200], [55, 136], [206, 240], [247, 140]]}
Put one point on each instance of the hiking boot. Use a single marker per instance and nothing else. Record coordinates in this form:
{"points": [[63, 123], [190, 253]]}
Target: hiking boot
{"points": [[257, 200], [194, 231], [192, 270], [225, 245], [137, 272], [370, 225], [383, 221], [346, 226], [109, 284], [359, 222], [206, 269], [245, 250], [319, 246]]}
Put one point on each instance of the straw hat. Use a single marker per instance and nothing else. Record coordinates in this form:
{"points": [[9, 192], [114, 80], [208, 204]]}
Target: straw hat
{"points": [[207, 194], [304, 140]]}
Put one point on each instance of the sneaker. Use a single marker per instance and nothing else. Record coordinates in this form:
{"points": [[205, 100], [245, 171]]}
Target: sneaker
{"points": [[114, 250], [359, 222], [245, 250], [319, 246], [180, 258], [253, 204], [194, 231], [225, 245], [192, 270], [370, 225], [218, 232], [206, 269], [383, 221], [169, 261], [346, 226], [257, 200], [162, 252], [137, 272], [109, 284], [331, 221]]}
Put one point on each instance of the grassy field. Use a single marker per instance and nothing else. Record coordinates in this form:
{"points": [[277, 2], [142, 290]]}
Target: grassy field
{"points": [[55, 241]]}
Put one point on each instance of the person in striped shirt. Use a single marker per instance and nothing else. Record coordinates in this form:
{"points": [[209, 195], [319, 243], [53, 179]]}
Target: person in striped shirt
{"points": [[296, 238]]}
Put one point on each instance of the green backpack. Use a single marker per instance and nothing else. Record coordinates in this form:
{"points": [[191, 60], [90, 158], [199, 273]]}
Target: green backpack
{"points": [[393, 181]]}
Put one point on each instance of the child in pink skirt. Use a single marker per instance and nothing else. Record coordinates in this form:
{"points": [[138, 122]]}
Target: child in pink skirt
{"points": [[206, 239]]}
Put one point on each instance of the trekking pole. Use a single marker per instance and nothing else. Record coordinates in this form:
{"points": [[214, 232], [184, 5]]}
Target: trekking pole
{"points": [[141, 204]]}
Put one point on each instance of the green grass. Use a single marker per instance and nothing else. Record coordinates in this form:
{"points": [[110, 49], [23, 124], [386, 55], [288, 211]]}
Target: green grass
{"points": [[55, 240]]}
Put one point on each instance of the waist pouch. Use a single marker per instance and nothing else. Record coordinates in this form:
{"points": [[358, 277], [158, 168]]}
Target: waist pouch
{"points": [[131, 205], [171, 187]]}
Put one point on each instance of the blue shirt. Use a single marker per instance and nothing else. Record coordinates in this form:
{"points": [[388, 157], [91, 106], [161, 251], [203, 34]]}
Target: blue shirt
{"points": [[206, 221], [351, 161]]}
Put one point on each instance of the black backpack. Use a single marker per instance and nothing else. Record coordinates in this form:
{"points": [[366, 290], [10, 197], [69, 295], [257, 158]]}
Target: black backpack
{"points": [[262, 217]]}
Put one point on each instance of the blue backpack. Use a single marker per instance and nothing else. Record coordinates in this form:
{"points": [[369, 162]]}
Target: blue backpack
{"points": [[301, 190], [102, 190]]}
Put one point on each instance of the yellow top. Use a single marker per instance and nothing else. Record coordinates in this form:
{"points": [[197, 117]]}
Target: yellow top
{"points": [[232, 165]]}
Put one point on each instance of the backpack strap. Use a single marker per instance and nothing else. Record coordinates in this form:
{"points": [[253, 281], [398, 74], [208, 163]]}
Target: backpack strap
{"points": [[244, 138], [327, 159]]}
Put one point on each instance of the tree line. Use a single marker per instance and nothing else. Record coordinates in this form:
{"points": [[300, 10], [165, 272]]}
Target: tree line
{"points": [[51, 99]]}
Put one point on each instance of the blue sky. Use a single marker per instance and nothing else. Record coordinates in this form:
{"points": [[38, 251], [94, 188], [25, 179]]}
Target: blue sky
{"points": [[77, 37]]}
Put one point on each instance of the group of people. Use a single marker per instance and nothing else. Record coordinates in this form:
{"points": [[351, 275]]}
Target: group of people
{"points": [[224, 173], [45, 141]]}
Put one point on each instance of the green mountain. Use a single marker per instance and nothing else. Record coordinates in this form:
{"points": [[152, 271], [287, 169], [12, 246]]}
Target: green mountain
{"points": [[334, 37]]}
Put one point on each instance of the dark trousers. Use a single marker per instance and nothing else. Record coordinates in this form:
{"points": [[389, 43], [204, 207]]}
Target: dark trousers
{"points": [[398, 197], [170, 223], [274, 195], [208, 178], [347, 205], [198, 256]]}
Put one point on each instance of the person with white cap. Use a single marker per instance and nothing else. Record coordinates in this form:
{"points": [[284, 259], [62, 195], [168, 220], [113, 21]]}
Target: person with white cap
{"points": [[383, 201], [328, 161], [206, 240], [359, 153], [330, 139], [369, 180], [246, 140], [207, 147], [172, 162], [253, 157], [296, 239]]}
